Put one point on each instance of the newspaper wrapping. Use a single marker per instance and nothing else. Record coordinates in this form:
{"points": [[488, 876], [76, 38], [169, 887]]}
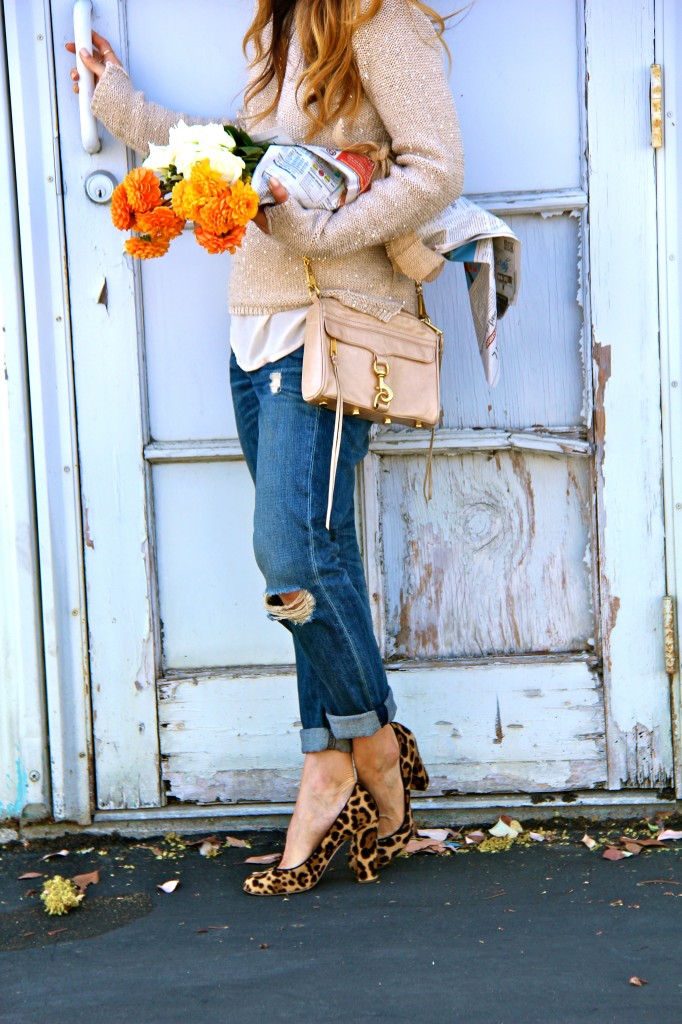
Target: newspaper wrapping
{"points": [[491, 253]]}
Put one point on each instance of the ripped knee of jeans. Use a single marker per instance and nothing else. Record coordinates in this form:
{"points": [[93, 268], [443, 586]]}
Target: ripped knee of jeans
{"points": [[299, 610]]}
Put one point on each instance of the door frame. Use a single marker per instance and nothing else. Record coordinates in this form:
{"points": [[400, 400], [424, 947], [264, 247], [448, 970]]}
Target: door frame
{"points": [[668, 26], [52, 407], [24, 776], [50, 365]]}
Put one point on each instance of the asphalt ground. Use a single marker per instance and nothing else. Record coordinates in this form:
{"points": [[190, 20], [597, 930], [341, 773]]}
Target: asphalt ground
{"points": [[545, 932]]}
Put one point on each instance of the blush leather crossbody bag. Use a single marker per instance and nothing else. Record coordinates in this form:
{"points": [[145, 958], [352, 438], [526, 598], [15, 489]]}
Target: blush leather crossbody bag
{"points": [[359, 365]]}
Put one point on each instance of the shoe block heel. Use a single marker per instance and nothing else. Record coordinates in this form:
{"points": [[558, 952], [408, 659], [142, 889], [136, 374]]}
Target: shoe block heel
{"points": [[363, 853], [419, 780]]}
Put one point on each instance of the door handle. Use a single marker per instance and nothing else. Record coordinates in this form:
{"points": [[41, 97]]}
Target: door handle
{"points": [[82, 33]]}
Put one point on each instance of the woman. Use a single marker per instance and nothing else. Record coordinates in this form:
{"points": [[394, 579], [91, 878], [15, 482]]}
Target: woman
{"points": [[373, 69]]}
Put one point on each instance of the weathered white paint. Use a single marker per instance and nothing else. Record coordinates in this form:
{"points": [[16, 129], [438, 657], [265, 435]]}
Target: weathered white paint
{"points": [[408, 441], [24, 769], [497, 562], [490, 734], [627, 423], [109, 380], [669, 187], [547, 202], [50, 371]]}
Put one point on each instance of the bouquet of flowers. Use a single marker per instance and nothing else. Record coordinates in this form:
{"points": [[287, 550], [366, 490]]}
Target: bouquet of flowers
{"points": [[203, 175]]}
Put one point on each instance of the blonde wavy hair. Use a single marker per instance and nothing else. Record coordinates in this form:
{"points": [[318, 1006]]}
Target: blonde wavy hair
{"points": [[331, 86]]}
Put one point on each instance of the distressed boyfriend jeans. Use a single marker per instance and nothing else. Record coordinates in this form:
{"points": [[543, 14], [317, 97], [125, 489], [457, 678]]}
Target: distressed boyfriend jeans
{"points": [[342, 686]]}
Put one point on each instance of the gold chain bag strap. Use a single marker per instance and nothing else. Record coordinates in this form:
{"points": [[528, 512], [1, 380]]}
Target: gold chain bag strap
{"points": [[359, 365]]}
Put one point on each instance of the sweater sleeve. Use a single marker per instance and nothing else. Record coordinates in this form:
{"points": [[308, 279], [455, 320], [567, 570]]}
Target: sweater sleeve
{"points": [[132, 118], [400, 60]]}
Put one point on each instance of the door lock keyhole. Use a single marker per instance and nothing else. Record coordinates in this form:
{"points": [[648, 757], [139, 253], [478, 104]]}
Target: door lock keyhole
{"points": [[99, 186]]}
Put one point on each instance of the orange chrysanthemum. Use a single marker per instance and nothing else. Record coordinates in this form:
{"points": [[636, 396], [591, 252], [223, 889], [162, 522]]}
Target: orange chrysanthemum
{"points": [[148, 248], [244, 201], [121, 214], [220, 243], [181, 200], [202, 186], [161, 221], [205, 182], [143, 190], [216, 215]]}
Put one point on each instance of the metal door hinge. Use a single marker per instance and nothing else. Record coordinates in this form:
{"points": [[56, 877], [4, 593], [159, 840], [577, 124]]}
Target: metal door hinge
{"points": [[656, 94], [670, 645]]}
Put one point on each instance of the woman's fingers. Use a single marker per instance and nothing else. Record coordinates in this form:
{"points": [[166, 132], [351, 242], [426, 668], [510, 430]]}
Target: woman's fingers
{"points": [[280, 195], [102, 54], [278, 191]]}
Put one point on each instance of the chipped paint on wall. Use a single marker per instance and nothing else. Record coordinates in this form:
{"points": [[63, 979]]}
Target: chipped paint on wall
{"points": [[16, 786]]}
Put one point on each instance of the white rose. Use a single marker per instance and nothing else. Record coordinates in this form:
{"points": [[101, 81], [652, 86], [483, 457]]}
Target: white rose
{"points": [[203, 136], [160, 158], [230, 166], [213, 136], [186, 154], [183, 134]]}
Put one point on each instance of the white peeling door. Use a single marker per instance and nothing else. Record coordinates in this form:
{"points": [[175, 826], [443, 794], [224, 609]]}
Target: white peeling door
{"points": [[506, 610]]}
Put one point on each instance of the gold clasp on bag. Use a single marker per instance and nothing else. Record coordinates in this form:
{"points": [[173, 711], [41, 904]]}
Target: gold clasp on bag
{"points": [[384, 395]]}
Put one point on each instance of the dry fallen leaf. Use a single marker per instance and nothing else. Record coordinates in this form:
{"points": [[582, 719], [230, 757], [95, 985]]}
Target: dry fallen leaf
{"points": [[30, 874], [425, 846], [537, 836], [634, 980], [502, 829], [642, 842], [474, 838], [589, 842], [207, 839], [612, 853], [83, 881], [440, 834], [169, 886], [669, 833], [209, 849], [58, 853], [233, 841], [264, 858]]}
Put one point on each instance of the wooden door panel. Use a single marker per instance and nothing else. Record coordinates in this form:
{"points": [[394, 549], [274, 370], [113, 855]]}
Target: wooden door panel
{"points": [[497, 729], [498, 563], [186, 344], [210, 589]]}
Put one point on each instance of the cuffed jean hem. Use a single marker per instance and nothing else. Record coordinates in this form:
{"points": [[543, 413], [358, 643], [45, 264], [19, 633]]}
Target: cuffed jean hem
{"points": [[314, 740], [353, 726]]}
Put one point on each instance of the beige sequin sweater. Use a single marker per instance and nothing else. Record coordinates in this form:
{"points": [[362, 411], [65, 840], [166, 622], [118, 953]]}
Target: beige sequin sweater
{"points": [[408, 103]]}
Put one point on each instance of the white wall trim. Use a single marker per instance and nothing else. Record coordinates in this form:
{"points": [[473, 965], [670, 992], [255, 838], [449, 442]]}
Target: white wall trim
{"points": [[52, 406], [24, 775], [626, 371], [669, 182]]}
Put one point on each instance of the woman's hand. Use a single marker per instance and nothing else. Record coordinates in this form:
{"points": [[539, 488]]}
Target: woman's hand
{"points": [[280, 195], [102, 54]]}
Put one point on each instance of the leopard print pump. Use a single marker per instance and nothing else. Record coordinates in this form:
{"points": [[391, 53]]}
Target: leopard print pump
{"points": [[415, 777], [357, 822]]}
